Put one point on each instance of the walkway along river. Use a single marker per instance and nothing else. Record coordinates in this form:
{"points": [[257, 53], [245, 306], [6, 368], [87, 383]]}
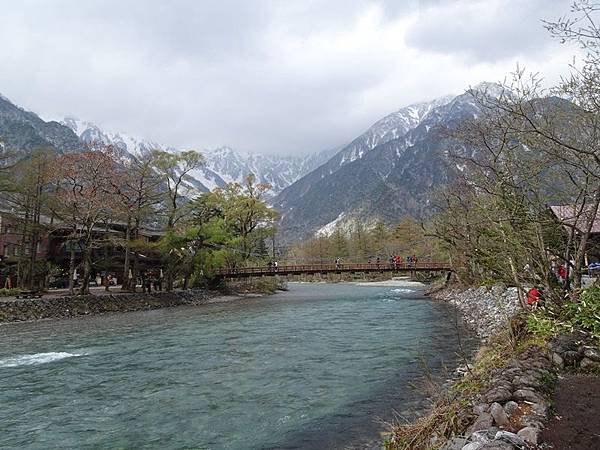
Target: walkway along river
{"points": [[315, 367]]}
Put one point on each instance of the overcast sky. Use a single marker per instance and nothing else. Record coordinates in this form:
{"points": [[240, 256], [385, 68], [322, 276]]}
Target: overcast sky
{"points": [[287, 77]]}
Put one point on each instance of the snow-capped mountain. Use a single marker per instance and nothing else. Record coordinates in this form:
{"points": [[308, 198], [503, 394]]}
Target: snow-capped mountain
{"points": [[89, 132], [22, 131], [388, 172], [223, 165]]}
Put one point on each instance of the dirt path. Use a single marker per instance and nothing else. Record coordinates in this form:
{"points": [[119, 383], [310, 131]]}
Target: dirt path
{"points": [[576, 425]]}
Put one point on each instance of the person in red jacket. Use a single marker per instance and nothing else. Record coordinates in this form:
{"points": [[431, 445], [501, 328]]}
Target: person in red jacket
{"points": [[533, 297]]}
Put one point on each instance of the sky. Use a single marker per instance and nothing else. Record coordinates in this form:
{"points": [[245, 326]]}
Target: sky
{"points": [[283, 77]]}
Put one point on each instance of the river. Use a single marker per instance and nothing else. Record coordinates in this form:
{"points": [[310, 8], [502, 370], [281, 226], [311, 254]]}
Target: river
{"points": [[320, 366]]}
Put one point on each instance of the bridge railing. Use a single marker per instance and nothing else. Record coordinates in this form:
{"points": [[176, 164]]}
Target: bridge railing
{"points": [[315, 268]]}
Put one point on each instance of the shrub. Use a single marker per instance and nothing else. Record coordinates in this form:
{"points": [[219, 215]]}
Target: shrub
{"points": [[543, 325], [9, 292], [585, 313]]}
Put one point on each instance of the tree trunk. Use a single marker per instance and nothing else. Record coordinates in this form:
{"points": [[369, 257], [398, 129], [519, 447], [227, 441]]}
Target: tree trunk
{"points": [[126, 281], [71, 271], [87, 268]]}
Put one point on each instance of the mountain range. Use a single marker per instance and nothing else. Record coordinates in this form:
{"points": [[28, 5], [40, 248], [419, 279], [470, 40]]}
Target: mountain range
{"points": [[222, 165], [389, 171]]}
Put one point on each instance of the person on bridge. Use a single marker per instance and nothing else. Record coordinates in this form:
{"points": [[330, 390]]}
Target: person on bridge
{"points": [[338, 263]]}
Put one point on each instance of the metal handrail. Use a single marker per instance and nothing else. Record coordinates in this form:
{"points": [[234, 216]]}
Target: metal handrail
{"points": [[307, 268]]}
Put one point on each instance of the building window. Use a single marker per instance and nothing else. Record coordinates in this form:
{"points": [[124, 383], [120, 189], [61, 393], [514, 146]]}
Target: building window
{"points": [[38, 247]]}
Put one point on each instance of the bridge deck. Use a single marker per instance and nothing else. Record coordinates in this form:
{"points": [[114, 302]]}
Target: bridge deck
{"points": [[242, 272]]}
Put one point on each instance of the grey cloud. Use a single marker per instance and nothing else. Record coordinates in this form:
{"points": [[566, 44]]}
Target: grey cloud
{"points": [[483, 30], [207, 73]]}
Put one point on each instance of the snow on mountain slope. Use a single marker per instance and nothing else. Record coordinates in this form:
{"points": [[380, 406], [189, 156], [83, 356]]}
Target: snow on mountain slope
{"points": [[393, 126], [223, 165], [396, 177]]}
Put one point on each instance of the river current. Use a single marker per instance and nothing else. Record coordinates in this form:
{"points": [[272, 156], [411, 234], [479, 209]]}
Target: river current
{"points": [[321, 366]]}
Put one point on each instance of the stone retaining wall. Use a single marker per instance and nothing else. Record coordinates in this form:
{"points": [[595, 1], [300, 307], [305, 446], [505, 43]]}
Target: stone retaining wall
{"points": [[71, 306], [511, 410]]}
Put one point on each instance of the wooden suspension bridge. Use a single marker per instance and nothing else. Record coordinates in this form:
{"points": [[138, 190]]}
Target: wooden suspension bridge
{"points": [[246, 272]]}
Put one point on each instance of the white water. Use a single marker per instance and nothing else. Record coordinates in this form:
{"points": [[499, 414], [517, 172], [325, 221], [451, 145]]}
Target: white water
{"points": [[37, 358]]}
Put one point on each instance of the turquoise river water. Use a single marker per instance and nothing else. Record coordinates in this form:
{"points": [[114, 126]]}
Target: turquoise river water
{"points": [[318, 367]]}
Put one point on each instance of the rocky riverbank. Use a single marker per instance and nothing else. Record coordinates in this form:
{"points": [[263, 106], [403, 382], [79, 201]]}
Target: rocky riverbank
{"points": [[503, 398], [78, 305], [487, 310], [500, 401]]}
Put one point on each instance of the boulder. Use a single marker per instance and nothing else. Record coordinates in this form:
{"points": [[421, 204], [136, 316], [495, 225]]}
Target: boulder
{"points": [[498, 445], [456, 443], [483, 422], [473, 446], [540, 408], [510, 438], [481, 408], [498, 394], [499, 415], [557, 359], [525, 381], [527, 394], [589, 364], [591, 353], [511, 407], [530, 435], [481, 436]]}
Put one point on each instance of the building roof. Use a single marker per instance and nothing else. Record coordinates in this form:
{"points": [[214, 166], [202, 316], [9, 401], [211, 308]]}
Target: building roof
{"points": [[572, 215]]}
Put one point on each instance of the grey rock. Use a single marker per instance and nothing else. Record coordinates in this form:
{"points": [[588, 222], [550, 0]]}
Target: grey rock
{"points": [[525, 381], [481, 436], [557, 359], [530, 435], [499, 415], [483, 422], [511, 438], [481, 408], [592, 353], [587, 364], [473, 446], [511, 407], [527, 394], [456, 443], [498, 395], [540, 408], [498, 445]]}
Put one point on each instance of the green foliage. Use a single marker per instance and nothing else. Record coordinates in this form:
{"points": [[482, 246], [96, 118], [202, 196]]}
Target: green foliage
{"points": [[9, 292], [358, 243], [541, 324], [585, 313], [226, 227], [582, 314]]}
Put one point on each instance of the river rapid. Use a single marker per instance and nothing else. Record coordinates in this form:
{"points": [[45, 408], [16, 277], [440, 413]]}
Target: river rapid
{"points": [[318, 367]]}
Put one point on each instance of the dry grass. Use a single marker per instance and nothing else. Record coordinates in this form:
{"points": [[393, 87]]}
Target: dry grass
{"points": [[451, 411]]}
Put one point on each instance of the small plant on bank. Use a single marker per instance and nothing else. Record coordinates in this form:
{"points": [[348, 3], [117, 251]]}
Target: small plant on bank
{"points": [[9, 292], [544, 325], [585, 313]]}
